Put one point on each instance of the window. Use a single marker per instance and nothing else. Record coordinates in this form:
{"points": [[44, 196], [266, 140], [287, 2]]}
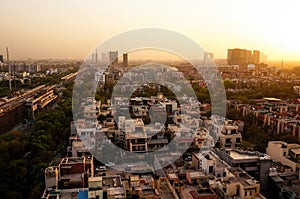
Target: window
{"points": [[246, 193], [228, 140]]}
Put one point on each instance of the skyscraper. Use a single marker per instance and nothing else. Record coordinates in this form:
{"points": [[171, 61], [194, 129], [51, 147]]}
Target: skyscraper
{"points": [[263, 58], [96, 56], [238, 56], [207, 57], [125, 60], [113, 57], [242, 57], [103, 57], [256, 57]]}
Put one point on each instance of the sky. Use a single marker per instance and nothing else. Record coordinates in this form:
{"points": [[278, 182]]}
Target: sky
{"points": [[73, 28]]}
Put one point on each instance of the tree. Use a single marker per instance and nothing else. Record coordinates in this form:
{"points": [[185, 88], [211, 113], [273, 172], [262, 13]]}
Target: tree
{"points": [[228, 84]]}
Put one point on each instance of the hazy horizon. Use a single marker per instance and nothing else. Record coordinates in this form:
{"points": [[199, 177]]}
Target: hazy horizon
{"points": [[62, 29]]}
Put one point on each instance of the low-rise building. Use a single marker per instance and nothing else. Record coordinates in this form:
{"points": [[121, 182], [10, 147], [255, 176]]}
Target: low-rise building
{"points": [[286, 154], [238, 184], [284, 185], [71, 173], [210, 164], [255, 163], [228, 132]]}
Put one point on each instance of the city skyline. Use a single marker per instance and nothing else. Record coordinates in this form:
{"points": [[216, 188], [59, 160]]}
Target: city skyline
{"points": [[71, 30]]}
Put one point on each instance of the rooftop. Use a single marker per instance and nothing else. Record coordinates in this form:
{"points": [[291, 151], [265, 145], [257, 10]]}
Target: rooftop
{"points": [[242, 155]]}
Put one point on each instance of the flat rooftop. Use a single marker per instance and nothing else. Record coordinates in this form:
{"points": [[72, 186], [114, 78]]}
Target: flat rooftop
{"points": [[250, 155], [296, 150], [195, 174]]}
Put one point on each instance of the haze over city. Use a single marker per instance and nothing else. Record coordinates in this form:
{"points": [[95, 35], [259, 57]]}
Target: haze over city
{"points": [[72, 29], [150, 99]]}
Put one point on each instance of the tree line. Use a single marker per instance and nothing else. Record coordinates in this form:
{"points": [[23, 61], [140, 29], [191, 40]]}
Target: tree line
{"points": [[24, 154]]}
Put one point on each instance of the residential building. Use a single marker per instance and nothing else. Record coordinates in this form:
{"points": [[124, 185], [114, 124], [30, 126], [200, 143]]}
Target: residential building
{"points": [[71, 173], [228, 132], [255, 163], [238, 184], [284, 184], [112, 186], [286, 154], [210, 164]]}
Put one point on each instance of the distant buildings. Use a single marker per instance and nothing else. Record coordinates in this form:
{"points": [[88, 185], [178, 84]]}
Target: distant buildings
{"points": [[256, 57], [95, 57], [297, 89], [208, 57], [113, 57], [125, 60], [103, 57], [24, 67], [242, 57]]}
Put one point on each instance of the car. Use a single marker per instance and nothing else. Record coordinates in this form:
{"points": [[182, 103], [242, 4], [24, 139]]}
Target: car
{"points": [[101, 168]]}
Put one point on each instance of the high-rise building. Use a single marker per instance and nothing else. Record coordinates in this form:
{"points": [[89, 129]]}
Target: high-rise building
{"points": [[125, 60], [207, 57], [256, 57], [93, 57], [113, 57], [263, 58], [235, 56], [96, 56], [103, 57], [242, 57]]}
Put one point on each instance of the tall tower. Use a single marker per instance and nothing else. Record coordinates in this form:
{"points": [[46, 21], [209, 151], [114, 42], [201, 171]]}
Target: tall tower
{"points": [[113, 57], [103, 57], [93, 57], [208, 57], [9, 69], [256, 57], [96, 56], [125, 60]]}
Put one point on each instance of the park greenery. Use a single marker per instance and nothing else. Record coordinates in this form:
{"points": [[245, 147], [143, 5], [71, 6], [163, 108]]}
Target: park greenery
{"points": [[24, 154]]}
